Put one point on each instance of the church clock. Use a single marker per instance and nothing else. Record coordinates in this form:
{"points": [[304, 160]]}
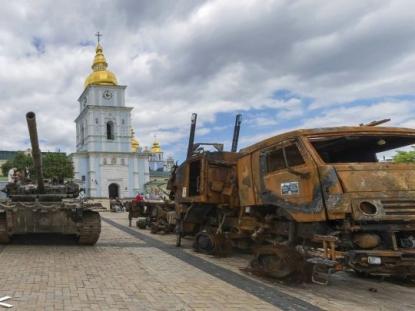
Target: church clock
{"points": [[107, 94]]}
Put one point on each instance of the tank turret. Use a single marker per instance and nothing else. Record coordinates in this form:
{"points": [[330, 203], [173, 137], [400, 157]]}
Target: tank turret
{"points": [[24, 190]]}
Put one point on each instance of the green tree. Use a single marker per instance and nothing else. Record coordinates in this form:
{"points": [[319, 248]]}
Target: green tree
{"points": [[57, 165], [21, 161], [404, 156], [5, 168]]}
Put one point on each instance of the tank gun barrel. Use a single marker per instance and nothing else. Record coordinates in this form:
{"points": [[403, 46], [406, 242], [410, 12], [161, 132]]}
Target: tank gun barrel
{"points": [[192, 135], [236, 130], [36, 154]]}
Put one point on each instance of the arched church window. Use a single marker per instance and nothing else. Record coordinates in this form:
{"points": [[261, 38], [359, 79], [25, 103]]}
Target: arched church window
{"points": [[105, 161], [113, 161], [122, 161], [123, 121], [110, 130], [96, 120]]}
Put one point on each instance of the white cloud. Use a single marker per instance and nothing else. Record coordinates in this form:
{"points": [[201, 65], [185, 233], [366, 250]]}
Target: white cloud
{"points": [[210, 57], [399, 112]]}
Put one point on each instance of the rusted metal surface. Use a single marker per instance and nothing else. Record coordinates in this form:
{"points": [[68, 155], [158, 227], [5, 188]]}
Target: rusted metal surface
{"points": [[321, 193], [213, 244], [159, 216], [367, 205], [204, 189], [277, 261]]}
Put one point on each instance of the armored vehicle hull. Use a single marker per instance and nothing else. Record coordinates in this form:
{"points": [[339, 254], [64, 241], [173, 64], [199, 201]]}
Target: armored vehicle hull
{"points": [[67, 218]]}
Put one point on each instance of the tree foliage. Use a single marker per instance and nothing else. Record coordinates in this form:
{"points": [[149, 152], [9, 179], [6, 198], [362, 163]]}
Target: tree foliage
{"points": [[404, 157], [55, 165], [21, 161]]}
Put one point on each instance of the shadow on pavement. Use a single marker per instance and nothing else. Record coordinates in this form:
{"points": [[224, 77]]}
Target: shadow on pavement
{"points": [[44, 239]]}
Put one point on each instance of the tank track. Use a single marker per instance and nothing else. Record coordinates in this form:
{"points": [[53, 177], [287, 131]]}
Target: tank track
{"points": [[4, 237], [91, 228]]}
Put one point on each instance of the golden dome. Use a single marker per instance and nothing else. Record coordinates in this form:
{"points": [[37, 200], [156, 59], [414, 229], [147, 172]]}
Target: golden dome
{"points": [[155, 148], [100, 75], [134, 142]]}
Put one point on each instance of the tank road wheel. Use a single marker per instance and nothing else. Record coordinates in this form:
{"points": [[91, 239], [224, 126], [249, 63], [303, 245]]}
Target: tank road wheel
{"points": [[90, 229], [212, 244], [4, 237], [204, 242], [278, 262]]}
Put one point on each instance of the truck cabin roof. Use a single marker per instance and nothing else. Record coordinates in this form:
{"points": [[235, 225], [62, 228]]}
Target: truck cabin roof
{"points": [[318, 135]]}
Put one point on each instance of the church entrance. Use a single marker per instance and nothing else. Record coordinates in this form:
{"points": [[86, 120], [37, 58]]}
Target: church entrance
{"points": [[114, 191]]}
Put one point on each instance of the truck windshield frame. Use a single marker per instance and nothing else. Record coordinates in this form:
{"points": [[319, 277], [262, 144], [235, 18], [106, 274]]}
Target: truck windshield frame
{"points": [[357, 147]]}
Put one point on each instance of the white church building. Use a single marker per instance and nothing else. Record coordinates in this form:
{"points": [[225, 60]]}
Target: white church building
{"points": [[108, 160]]}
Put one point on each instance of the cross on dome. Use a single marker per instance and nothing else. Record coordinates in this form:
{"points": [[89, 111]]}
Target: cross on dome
{"points": [[100, 75], [98, 35]]}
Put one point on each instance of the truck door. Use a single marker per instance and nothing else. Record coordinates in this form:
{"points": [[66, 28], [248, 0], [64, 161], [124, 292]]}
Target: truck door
{"points": [[289, 180]]}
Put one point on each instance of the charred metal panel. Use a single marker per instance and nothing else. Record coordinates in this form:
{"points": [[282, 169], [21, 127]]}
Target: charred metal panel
{"points": [[216, 181], [384, 207], [377, 177], [306, 202], [337, 203], [245, 181]]}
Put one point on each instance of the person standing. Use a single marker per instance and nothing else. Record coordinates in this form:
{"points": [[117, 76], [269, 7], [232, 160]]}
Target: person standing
{"points": [[138, 198], [11, 176]]}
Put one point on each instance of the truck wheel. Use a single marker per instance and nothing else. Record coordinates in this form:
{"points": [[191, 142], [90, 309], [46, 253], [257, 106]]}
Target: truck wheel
{"points": [[277, 262]]}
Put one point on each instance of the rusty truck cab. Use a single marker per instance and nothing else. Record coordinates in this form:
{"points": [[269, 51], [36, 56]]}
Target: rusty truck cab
{"points": [[332, 182], [206, 178]]}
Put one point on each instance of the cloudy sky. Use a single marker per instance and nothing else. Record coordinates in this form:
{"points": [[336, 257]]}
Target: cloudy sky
{"points": [[282, 64]]}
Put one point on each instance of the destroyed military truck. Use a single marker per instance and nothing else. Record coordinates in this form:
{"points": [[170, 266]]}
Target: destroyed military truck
{"points": [[317, 200], [45, 207], [205, 192], [323, 194]]}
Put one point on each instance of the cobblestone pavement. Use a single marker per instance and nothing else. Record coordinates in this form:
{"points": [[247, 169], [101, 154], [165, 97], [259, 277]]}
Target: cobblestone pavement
{"points": [[131, 269]]}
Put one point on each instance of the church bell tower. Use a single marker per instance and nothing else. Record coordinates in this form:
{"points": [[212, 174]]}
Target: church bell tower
{"points": [[103, 123], [104, 160]]}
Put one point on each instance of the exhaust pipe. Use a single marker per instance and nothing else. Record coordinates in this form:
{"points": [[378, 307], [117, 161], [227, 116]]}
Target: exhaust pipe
{"points": [[192, 135], [236, 129]]}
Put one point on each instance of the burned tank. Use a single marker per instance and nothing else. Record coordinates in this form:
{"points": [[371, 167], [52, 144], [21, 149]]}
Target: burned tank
{"points": [[46, 207]]}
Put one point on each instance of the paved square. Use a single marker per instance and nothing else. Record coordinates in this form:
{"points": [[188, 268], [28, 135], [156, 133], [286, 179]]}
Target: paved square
{"points": [[131, 269]]}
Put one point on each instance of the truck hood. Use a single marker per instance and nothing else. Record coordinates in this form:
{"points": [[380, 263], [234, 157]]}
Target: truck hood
{"points": [[376, 177]]}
